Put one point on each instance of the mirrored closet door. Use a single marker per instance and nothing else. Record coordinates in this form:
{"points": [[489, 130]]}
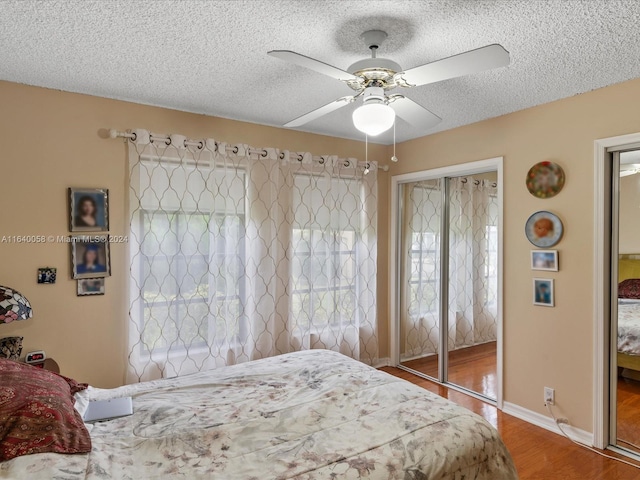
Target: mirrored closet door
{"points": [[420, 241], [625, 334], [448, 280], [473, 283]]}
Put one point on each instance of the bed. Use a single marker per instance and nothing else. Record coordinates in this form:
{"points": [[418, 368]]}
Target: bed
{"points": [[629, 312], [307, 415], [629, 334]]}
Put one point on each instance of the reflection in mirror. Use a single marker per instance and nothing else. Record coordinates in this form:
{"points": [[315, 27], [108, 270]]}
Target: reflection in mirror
{"points": [[628, 307], [420, 271], [472, 288], [473, 283]]}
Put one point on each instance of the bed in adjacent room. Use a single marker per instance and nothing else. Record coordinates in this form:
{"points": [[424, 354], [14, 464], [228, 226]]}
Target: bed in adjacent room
{"points": [[310, 415], [629, 312]]}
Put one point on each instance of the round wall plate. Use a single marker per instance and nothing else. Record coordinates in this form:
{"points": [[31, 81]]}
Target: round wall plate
{"points": [[544, 229], [545, 179]]}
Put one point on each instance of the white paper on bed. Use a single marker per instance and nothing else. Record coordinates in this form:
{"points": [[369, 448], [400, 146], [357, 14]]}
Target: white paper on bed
{"points": [[309, 415]]}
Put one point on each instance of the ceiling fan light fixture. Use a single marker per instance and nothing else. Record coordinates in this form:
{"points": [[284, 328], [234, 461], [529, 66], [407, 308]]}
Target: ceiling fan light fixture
{"points": [[374, 117]]}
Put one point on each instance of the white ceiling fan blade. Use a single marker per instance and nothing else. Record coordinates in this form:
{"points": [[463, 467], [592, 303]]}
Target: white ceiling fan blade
{"points": [[312, 64], [319, 112], [473, 61], [414, 114]]}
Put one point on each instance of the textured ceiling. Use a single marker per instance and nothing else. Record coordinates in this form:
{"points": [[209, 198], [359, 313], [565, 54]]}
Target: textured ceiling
{"points": [[210, 56]]}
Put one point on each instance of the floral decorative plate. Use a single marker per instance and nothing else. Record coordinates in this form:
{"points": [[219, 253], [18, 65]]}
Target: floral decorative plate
{"points": [[544, 229], [545, 179]]}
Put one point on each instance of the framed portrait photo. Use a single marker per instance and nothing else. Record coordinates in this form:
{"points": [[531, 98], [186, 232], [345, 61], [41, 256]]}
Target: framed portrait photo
{"points": [[90, 286], [90, 256], [543, 293], [544, 260], [544, 229], [88, 209]]}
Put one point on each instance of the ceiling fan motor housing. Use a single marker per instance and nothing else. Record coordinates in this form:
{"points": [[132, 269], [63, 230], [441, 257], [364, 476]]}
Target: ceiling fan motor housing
{"points": [[376, 70], [373, 95]]}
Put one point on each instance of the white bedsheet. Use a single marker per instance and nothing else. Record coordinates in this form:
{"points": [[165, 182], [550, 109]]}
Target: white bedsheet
{"points": [[629, 327], [309, 415]]}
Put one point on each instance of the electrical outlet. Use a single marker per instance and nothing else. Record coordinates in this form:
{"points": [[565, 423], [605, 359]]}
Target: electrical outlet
{"points": [[549, 395]]}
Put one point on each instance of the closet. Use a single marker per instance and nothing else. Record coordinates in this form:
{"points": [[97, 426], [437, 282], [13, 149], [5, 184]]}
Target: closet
{"points": [[447, 276]]}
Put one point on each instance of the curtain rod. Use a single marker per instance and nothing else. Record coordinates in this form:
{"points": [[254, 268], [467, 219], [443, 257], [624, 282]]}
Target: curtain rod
{"points": [[113, 133], [475, 182]]}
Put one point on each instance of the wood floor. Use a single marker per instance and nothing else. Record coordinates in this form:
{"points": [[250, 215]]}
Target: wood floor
{"points": [[629, 414], [473, 368], [537, 453]]}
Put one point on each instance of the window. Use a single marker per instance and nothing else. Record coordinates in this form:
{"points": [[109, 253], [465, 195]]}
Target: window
{"points": [[240, 256], [323, 277], [180, 308], [192, 255], [424, 250], [326, 251], [423, 278]]}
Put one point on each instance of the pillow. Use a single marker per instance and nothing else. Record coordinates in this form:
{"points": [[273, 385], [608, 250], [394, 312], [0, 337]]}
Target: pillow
{"points": [[629, 288], [11, 348], [37, 413]]}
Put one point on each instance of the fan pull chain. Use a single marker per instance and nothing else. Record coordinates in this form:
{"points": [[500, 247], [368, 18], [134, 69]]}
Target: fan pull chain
{"points": [[394, 158], [366, 154]]}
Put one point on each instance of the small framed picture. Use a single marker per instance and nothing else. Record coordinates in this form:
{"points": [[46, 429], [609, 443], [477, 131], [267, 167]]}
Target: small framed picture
{"points": [[90, 256], [88, 209], [544, 260], [543, 293], [90, 286], [47, 275]]}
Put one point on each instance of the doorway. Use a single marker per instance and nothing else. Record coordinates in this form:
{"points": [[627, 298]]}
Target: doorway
{"points": [[615, 367], [625, 303], [447, 276]]}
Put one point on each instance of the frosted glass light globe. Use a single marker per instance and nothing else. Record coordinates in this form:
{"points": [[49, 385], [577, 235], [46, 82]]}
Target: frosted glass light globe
{"points": [[373, 118]]}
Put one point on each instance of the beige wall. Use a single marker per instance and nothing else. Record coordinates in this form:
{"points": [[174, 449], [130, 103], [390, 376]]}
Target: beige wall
{"points": [[629, 240], [543, 346], [49, 141]]}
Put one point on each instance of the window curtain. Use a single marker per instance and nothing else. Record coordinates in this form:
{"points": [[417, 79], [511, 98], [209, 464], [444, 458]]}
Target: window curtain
{"points": [[238, 254], [420, 323], [473, 261]]}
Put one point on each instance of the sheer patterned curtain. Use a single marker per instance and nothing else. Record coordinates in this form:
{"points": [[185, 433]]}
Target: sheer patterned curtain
{"points": [[420, 326], [238, 254], [473, 261]]}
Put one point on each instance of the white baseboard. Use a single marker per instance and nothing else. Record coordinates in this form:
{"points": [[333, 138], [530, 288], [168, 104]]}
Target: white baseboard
{"points": [[382, 362], [547, 423]]}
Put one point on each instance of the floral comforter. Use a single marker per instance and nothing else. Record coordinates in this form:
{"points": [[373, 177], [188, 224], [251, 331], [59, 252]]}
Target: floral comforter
{"points": [[629, 327], [306, 415]]}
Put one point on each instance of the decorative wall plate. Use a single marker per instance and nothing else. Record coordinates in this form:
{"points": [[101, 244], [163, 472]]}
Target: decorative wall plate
{"points": [[544, 229], [545, 179]]}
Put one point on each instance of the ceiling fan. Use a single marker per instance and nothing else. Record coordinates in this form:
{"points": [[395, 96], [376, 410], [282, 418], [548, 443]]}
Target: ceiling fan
{"points": [[373, 78], [629, 169]]}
